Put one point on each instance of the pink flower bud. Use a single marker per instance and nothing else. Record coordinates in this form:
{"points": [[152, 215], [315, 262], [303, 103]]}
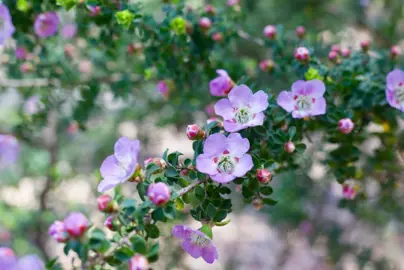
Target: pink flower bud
{"points": [[333, 56], [267, 65], [346, 125], [264, 176], [217, 36], [106, 204], [194, 132], [289, 147], [20, 53], [94, 10], [346, 52], [138, 262], [395, 51], [58, 231], [159, 193], [205, 23], [365, 45], [72, 128], [349, 190], [336, 48], [231, 3], [210, 9], [69, 50], [302, 54], [300, 31], [112, 223], [159, 161], [76, 224], [270, 31]]}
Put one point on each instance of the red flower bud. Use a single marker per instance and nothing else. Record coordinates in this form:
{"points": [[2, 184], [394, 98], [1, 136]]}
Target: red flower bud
{"points": [[159, 193], [300, 31], [106, 204], [194, 132], [395, 51], [264, 176], [365, 45], [289, 147], [346, 52], [270, 31], [205, 23]]}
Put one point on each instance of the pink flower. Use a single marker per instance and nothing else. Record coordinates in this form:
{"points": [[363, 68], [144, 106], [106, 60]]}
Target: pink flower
{"points": [[69, 31], [365, 45], [31, 262], [225, 158], [7, 258], [138, 262], [76, 224], [221, 85], [305, 99], [194, 132], [349, 190], [46, 24], [346, 125], [217, 36], [94, 10], [159, 161], [346, 52], [72, 128], [210, 9], [302, 54], [162, 87], [106, 204], [336, 48], [33, 105], [289, 147], [20, 53], [205, 23], [85, 66], [196, 243], [159, 193], [333, 56], [242, 108], [109, 223], [58, 231], [232, 2], [210, 109], [270, 31], [7, 28], [300, 31], [26, 67], [395, 89], [395, 51], [9, 150], [267, 65], [264, 176]]}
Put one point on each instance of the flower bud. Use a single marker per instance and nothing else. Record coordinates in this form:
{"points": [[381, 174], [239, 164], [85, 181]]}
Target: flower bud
{"points": [[302, 54], [365, 45], [289, 147], [346, 52], [210, 9], [300, 31], [267, 65], [270, 31], [178, 25], [76, 224], [264, 176], [58, 231], [138, 262], [159, 161], [106, 204], [333, 56], [257, 203], [336, 48], [159, 193], [94, 10], [69, 50], [194, 132], [395, 51], [349, 190], [217, 36], [112, 223], [346, 125], [72, 128], [124, 17], [134, 48], [205, 23], [231, 3]]}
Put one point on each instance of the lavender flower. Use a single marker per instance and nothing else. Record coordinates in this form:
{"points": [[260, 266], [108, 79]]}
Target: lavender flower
{"points": [[33, 105], [242, 109], [196, 243], [162, 88], [76, 224], [224, 159], [46, 24], [58, 231], [20, 53], [7, 258], [221, 85], [395, 89], [31, 262], [346, 125], [159, 193], [6, 25], [9, 150], [69, 30], [120, 166], [305, 99]]}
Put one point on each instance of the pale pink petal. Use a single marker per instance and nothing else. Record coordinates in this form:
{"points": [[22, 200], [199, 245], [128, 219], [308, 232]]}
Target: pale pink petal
{"points": [[224, 108], [315, 88], [259, 102], [237, 145], [233, 126], [210, 254], [205, 164], [319, 106], [214, 144], [298, 86], [181, 231], [258, 120], [222, 178], [240, 95], [285, 100], [107, 184], [244, 165], [192, 249]]}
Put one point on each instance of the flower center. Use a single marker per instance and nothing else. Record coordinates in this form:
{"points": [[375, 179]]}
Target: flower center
{"points": [[399, 92], [303, 103], [242, 115], [226, 164], [199, 240]]}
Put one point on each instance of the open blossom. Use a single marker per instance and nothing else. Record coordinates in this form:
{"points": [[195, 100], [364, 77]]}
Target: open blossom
{"points": [[58, 231], [46, 24], [224, 158], [7, 258], [33, 105], [196, 243], [69, 30], [159, 193], [9, 150], [76, 224], [346, 125], [270, 31], [120, 166], [242, 108], [221, 85], [6, 25], [395, 89], [138, 262], [31, 262], [305, 99]]}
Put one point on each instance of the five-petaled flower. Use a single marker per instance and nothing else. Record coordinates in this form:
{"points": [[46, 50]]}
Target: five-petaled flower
{"points": [[120, 166], [242, 108], [6, 25], [221, 85], [305, 99], [46, 24], [196, 243], [224, 158], [395, 89], [76, 224]]}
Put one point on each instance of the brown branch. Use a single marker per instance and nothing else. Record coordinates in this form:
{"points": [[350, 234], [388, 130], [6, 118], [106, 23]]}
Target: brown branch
{"points": [[247, 36], [189, 188]]}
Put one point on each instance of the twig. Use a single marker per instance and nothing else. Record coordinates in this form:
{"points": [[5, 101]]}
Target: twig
{"points": [[246, 36], [187, 189]]}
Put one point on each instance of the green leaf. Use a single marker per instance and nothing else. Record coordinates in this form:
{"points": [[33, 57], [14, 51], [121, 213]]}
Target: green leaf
{"points": [[206, 229], [253, 184], [173, 158], [124, 254], [266, 190], [158, 215], [171, 172], [224, 190], [292, 132], [220, 215], [200, 193], [210, 210], [269, 201], [128, 203], [152, 231], [222, 223], [141, 188], [153, 253], [179, 204], [139, 244], [152, 168]]}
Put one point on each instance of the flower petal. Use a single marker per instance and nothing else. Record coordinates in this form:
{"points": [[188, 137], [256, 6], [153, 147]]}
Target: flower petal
{"points": [[233, 127], [259, 102], [210, 254], [126, 150], [300, 114], [391, 99], [224, 108], [107, 184], [244, 165], [222, 178], [110, 167], [181, 231], [394, 78], [214, 144], [192, 249], [240, 95], [298, 86], [258, 120], [222, 72], [237, 145], [285, 100], [205, 164], [315, 88], [319, 106]]}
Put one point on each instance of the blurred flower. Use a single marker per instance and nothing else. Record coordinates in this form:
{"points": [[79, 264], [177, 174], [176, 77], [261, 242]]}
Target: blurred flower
{"points": [[242, 108], [395, 89], [70, 50], [289, 147], [306, 227], [224, 158], [217, 36], [333, 56], [9, 150], [138, 262], [194, 132], [46, 24], [210, 109], [346, 125], [264, 176], [205, 23], [33, 105], [26, 67], [178, 25], [6, 27], [267, 65], [270, 31], [85, 66], [20, 53], [7, 258], [221, 85], [58, 231], [124, 17], [120, 166], [302, 54], [346, 52], [31, 262], [163, 88], [106, 204], [94, 10], [196, 243], [69, 31], [232, 2], [72, 128], [300, 31], [336, 48], [159, 193], [305, 99], [76, 224], [350, 189], [365, 45], [395, 51], [210, 9]]}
